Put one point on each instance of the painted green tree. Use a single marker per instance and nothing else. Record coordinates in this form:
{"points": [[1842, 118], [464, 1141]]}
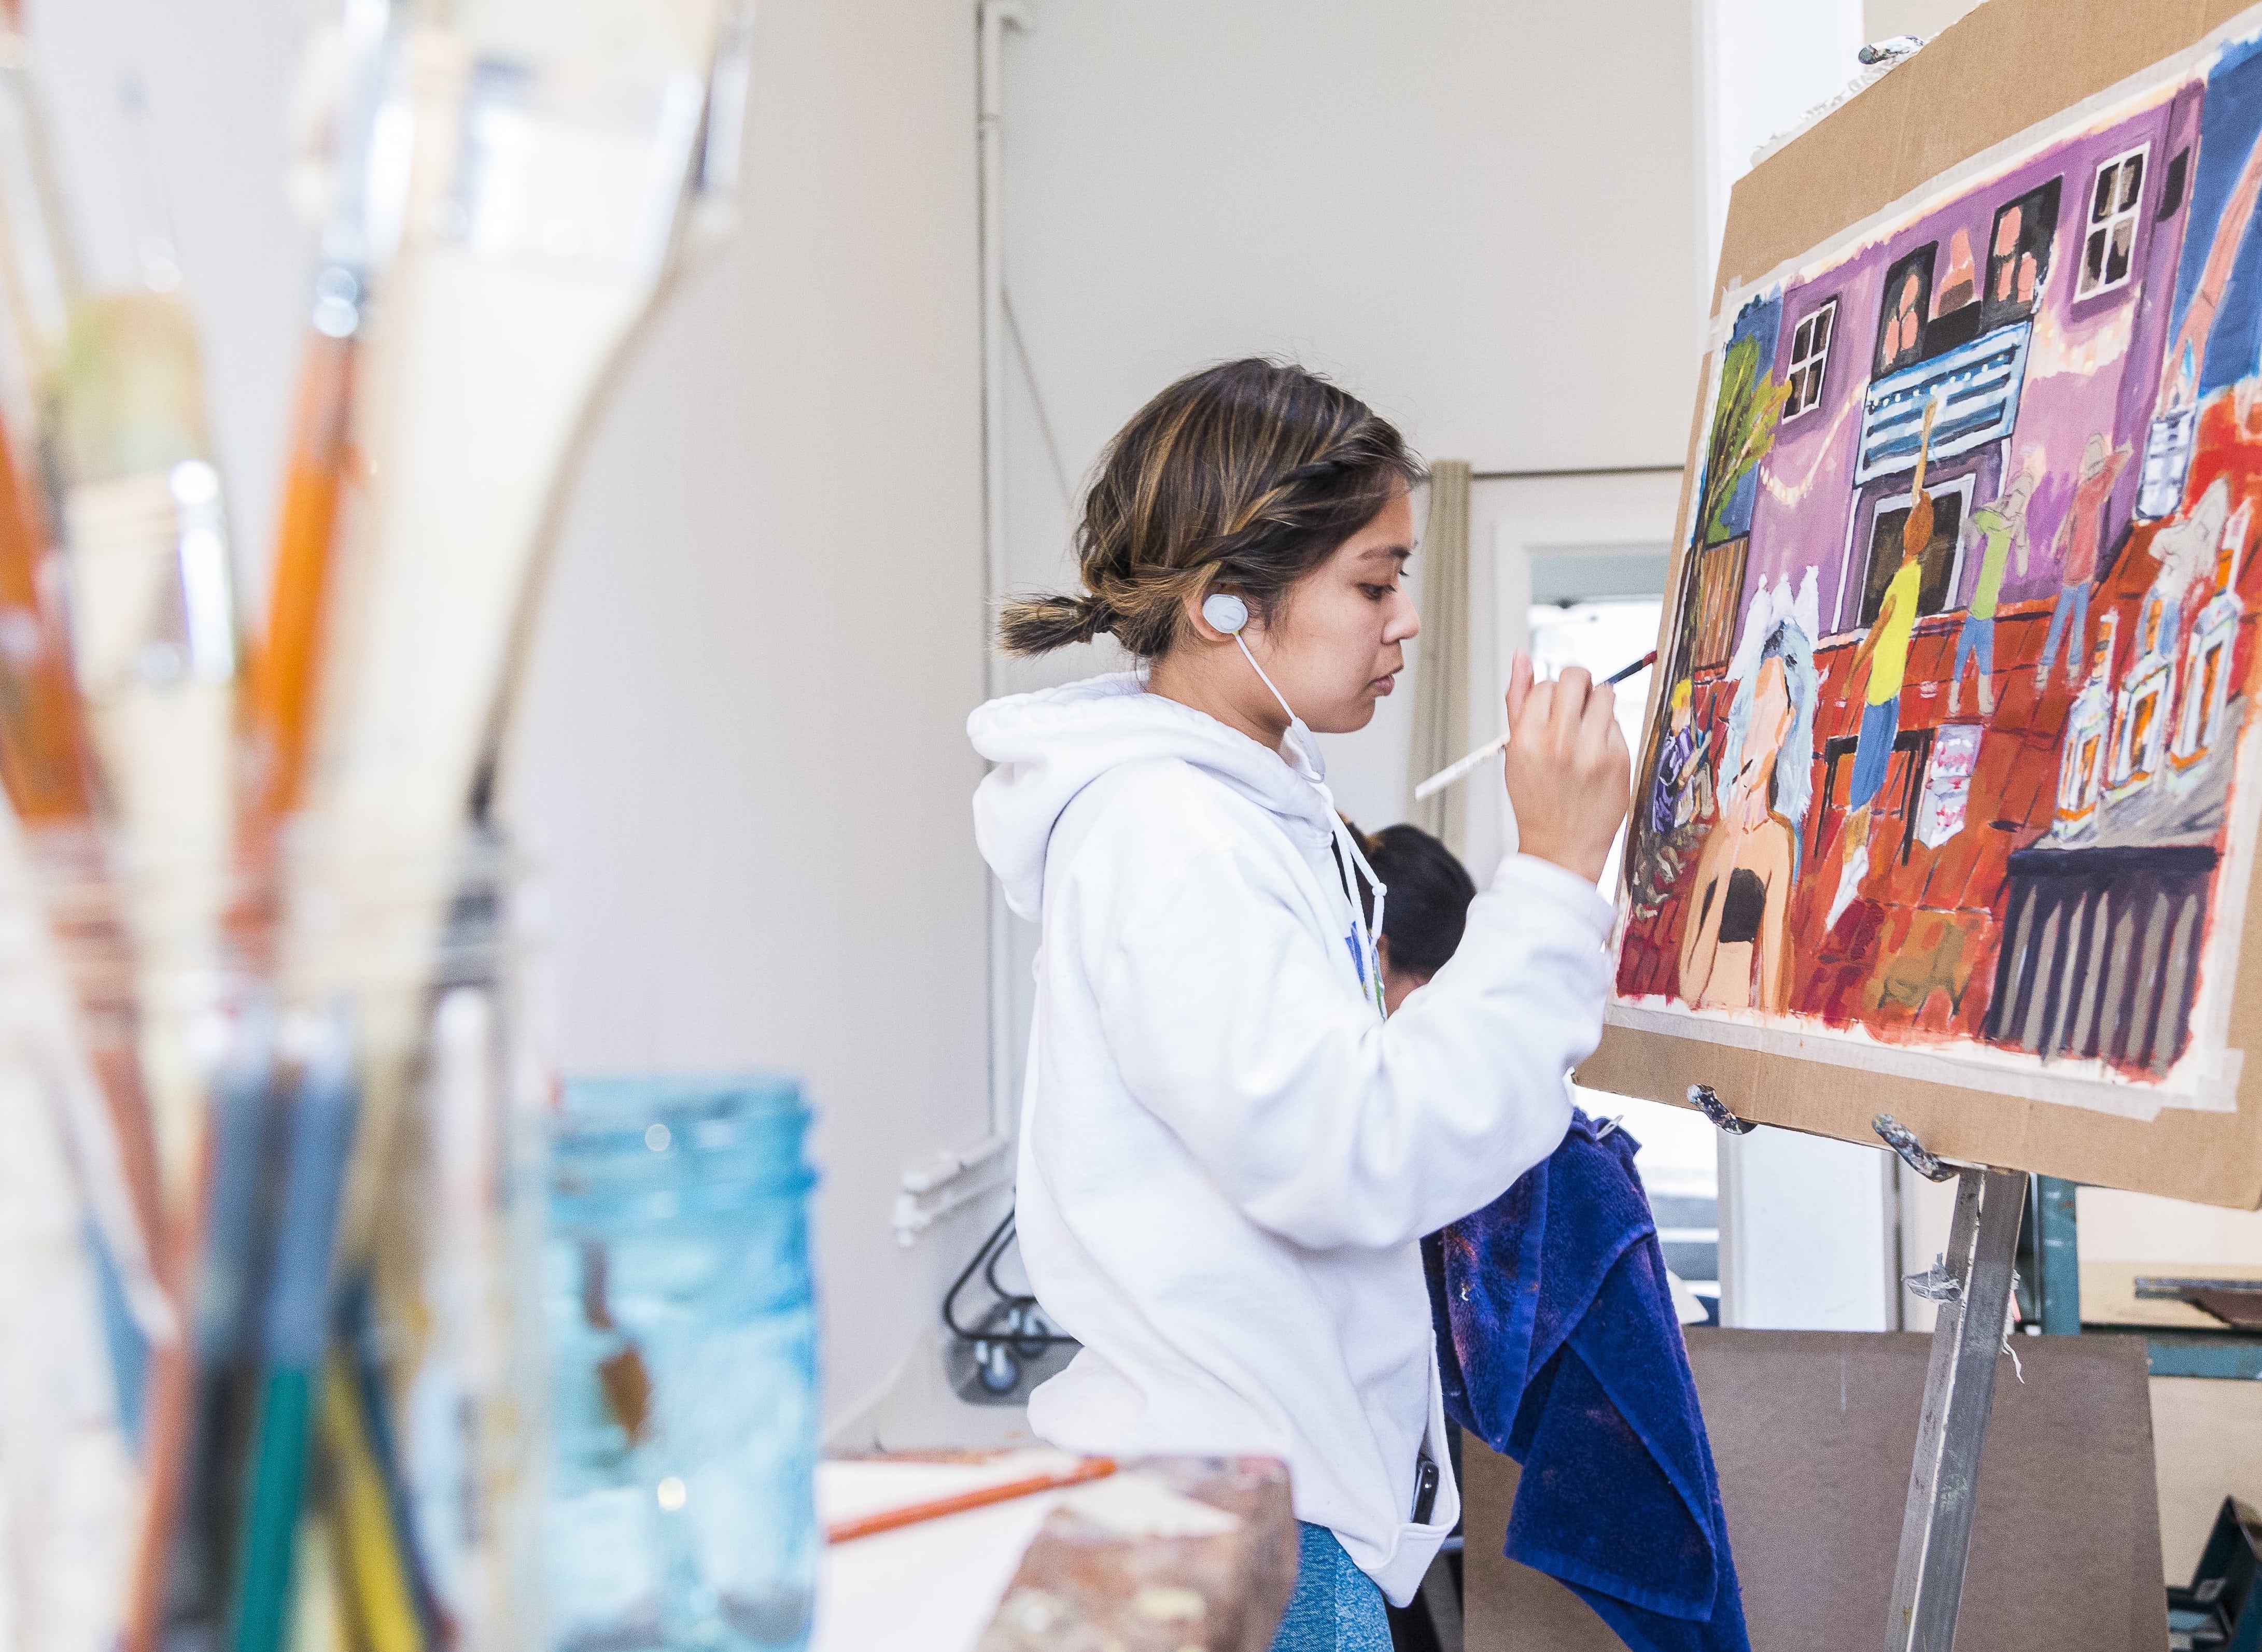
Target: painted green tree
{"points": [[1743, 429]]}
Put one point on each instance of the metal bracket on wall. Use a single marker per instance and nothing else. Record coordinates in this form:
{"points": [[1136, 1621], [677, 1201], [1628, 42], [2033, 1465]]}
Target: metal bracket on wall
{"points": [[948, 1182]]}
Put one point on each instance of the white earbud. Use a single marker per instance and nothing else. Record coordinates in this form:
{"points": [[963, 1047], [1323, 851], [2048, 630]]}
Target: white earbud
{"points": [[1224, 611]]}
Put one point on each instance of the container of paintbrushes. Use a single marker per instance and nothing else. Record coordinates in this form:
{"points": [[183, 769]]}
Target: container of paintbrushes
{"points": [[676, 1291]]}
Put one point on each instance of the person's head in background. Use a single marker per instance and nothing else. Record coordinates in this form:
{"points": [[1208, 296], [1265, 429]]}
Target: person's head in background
{"points": [[1427, 909], [1259, 480]]}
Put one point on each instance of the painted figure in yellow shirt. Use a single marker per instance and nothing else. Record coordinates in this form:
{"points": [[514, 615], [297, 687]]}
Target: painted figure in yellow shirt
{"points": [[1884, 650]]}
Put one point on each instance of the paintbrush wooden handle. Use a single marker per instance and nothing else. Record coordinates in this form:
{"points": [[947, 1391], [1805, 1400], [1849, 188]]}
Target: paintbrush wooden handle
{"points": [[914, 1513], [286, 671]]}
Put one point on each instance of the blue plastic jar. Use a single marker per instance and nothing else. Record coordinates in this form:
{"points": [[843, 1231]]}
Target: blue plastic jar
{"points": [[681, 1321]]}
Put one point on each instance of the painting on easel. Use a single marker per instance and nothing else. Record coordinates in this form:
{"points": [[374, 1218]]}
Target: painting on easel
{"points": [[1952, 769]]}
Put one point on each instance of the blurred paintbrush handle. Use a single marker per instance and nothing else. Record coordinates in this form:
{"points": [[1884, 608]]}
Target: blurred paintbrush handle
{"points": [[286, 670]]}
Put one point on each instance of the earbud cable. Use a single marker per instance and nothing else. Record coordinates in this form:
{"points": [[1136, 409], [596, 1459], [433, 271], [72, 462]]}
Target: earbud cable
{"points": [[1372, 965]]}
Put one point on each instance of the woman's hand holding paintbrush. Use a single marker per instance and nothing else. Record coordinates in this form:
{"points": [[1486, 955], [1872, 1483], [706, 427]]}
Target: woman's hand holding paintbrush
{"points": [[1567, 769]]}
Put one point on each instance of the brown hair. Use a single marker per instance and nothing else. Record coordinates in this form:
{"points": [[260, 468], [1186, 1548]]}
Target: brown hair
{"points": [[1244, 476]]}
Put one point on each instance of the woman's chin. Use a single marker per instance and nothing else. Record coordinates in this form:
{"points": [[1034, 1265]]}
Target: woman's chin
{"points": [[1349, 720]]}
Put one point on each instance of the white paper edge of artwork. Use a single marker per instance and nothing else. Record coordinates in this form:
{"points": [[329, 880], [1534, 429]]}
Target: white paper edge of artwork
{"points": [[2205, 1078]]}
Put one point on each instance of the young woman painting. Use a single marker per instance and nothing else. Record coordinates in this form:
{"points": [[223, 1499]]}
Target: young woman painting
{"points": [[1227, 1155]]}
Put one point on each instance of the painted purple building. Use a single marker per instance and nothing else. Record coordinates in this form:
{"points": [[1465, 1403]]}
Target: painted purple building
{"points": [[2035, 308]]}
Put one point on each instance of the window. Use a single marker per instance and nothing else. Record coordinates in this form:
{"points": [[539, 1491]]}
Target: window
{"points": [[2108, 249], [2019, 255], [1900, 317], [1810, 357], [1944, 554], [2171, 190]]}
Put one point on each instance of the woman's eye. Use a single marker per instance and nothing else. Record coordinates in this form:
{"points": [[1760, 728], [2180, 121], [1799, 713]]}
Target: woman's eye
{"points": [[1375, 594]]}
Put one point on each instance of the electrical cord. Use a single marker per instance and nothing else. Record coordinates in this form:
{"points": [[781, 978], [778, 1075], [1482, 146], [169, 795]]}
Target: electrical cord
{"points": [[999, 1349]]}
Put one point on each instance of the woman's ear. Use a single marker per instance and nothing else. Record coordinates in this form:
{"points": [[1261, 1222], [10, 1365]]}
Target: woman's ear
{"points": [[1197, 621]]}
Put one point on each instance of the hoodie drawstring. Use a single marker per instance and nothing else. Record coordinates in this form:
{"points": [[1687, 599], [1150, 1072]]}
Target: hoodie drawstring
{"points": [[1348, 839]]}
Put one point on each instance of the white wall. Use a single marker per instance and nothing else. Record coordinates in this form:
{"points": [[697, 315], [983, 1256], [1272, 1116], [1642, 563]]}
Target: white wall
{"points": [[1881, 19], [1475, 215], [741, 760], [742, 755]]}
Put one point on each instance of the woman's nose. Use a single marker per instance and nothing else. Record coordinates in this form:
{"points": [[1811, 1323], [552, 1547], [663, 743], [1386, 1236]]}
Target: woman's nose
{"points": [[1405, 624]]}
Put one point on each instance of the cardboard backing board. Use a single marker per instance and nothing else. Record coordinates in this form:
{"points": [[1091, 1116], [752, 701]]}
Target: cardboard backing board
{"points": [[2008, 67], [1813, 1433]]}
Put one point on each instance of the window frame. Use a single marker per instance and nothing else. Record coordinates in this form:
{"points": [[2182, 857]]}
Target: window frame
{"points": [[1965, 487], [2092, 226], [1923, 261], [1818, 359], [2002, 311]]}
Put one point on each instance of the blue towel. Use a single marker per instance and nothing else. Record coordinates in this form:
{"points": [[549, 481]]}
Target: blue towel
{"points": [[1559, 1347]]}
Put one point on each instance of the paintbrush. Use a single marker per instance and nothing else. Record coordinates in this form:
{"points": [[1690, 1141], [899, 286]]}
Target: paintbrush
{"points": [[357, 235], [47, 759], [1455, 771], [51, 761], [294, 1332], [531, 251], [935, 1509]]}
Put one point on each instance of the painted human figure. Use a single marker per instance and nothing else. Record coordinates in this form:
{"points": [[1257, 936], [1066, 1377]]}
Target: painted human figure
{"points": [[1885, 651], [1733, 941], [2076, 540], [2186, 549], [1674, 763], [2001, 527]]}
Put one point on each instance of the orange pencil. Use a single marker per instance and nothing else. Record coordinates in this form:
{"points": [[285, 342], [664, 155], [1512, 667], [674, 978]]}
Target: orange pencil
{"points": [[912, 1514]]}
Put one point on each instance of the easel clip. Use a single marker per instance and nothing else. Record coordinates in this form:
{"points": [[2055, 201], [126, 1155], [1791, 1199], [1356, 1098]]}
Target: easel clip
{"points": [[1903, 1141], [1706, 1101]]}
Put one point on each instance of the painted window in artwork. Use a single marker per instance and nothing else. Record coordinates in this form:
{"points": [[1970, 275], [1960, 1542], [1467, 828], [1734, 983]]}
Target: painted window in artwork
{"points": [[2019, 254], [1900, 321], [1719, 600], [1810, 358], [1943, 554], [2108, 250], [2171, 187]]}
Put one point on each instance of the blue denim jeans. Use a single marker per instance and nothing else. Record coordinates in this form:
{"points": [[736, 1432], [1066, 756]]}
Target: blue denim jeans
{"points": [[1873, 751], [1975, 639], [1336, 1607], [2072, 603]]}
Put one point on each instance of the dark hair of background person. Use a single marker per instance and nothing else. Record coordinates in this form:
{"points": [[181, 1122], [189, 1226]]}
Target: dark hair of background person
{"points": [[1241, 478], [1429, 896]]}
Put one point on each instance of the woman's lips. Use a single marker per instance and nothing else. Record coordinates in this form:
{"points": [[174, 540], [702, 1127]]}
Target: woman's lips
{"points": [[1382, 686]]}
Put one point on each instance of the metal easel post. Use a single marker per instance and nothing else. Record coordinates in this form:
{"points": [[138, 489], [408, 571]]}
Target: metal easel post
{"points": [[1959, 1391], [2057, 1257]]}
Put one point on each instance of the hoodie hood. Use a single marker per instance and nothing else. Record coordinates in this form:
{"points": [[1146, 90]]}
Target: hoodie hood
{"points": [[1048, 746]]}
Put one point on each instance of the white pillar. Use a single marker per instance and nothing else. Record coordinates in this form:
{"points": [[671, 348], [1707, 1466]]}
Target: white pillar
{"points": [[1809, 1234]]}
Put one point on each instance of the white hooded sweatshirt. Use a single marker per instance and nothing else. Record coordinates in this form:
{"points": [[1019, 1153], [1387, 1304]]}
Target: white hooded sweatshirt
{"points": [[1227, 1157]]}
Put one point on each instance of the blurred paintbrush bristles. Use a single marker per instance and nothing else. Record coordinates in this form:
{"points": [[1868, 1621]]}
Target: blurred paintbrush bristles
{"points": [[249, 969]]}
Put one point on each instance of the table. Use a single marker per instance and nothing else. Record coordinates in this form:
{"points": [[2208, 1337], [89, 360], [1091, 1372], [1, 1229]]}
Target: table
{"points": [[1167, 1555]]}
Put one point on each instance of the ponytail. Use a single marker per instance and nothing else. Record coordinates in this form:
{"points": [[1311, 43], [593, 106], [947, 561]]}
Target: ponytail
{"points": [[1038, 625]]}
